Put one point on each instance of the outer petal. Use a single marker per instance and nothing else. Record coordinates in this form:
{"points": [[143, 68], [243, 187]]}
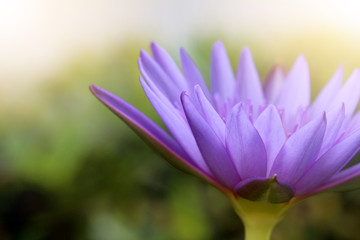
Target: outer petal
{"points": [[151, 133], [345, 180], [131, 115], [353, 124], [349, 94], [210, 114], [245, 145], [299, 151], [335, 119], [210, 145], [176, 125], [272, 133], [327, 94], [248, 81], [169, 66], [221, 75], [274, 82], [151, 70], [330, 163], [192, 74], [295, 92]]}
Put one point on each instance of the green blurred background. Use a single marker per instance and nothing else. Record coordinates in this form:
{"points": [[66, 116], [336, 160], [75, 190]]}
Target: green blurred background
{"points": [[70, 169]]}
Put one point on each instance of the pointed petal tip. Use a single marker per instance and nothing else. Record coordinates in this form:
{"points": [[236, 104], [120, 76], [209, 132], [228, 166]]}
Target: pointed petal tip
{"points": [[153, 44], [218, 43], [155, 48], [341, 68], [236, 110], [301, 59], [197, 88], [245, 55], [92, 87], [324, 117], [339, 72], [278, 67], [182, 51], [184, 56], [246, 51], [183, 97], [271, 107], [143, 54], [341, 106], [222, 79], [95, 90], [218, 47], [237, 107], [356, 72]]}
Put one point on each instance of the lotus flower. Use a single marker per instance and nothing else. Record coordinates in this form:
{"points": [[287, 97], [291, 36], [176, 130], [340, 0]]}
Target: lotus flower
{"points": [[265, 146]]}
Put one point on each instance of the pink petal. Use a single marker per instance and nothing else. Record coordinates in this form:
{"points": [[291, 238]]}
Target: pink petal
{"points": [[273, 83]]}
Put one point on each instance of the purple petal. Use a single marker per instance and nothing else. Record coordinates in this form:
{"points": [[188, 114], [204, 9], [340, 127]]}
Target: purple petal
{"points": [[353, 124], [248, 81], [327, 94], [295, 92], [151, 133], [192, 73], [274, 82], [343, 180], [272, 133], [169, 66], [245, 145], [210, 145], [176, 125], [221, 75], [210, 114], [299, 151], [330, 163], [335, 119], [349, 93], [131, 115], [151, 71]]}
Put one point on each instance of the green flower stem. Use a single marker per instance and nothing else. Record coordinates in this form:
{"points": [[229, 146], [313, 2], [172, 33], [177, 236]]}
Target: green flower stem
{"points": [[259, 227], [259, 218]]}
